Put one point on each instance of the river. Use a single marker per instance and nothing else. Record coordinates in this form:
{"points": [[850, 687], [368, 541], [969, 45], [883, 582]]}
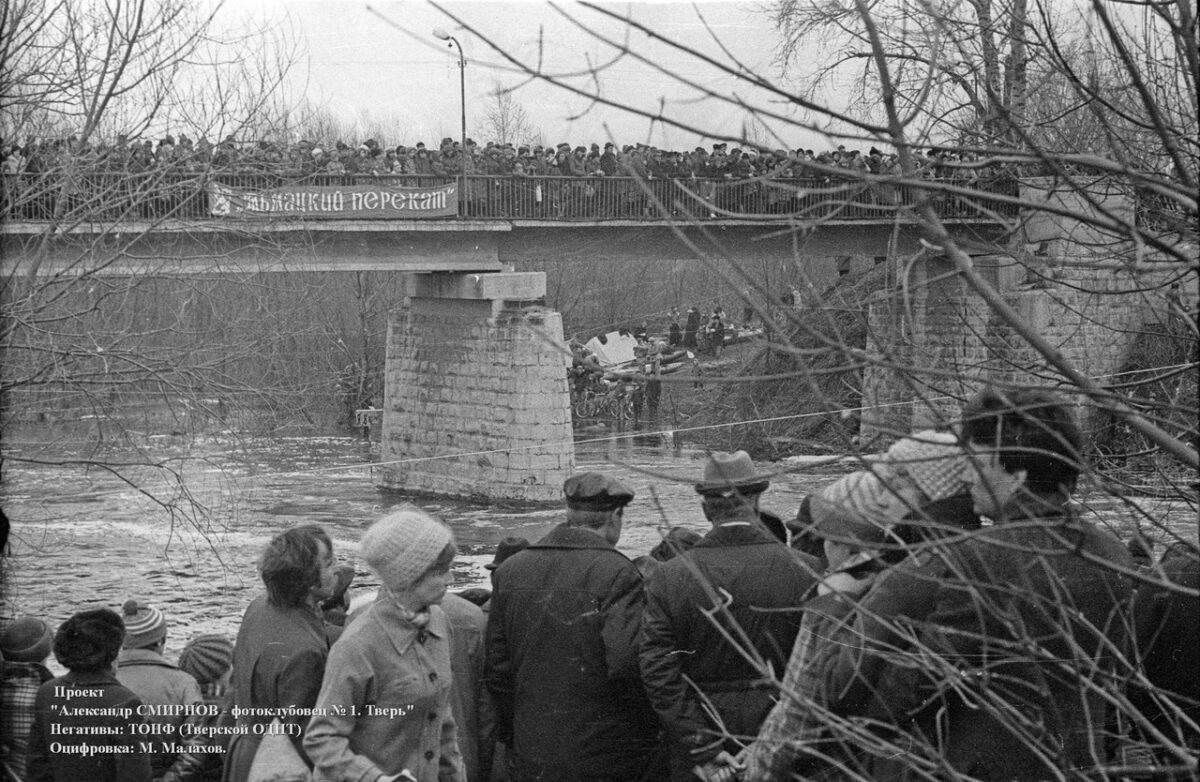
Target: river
{"points": [[84, 539]]}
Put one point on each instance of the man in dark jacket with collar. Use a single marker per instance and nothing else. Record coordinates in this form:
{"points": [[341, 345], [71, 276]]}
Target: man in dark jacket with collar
{"points": [[562, 648], [733, 596], [988, 654]]}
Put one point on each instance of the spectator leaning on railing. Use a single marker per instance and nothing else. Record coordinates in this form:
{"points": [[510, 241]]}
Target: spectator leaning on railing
{"points": [[129, 176]]}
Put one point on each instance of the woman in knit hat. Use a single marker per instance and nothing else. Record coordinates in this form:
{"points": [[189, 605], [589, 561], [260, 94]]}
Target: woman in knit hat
{"points": [[87, 707], [384, 706]]}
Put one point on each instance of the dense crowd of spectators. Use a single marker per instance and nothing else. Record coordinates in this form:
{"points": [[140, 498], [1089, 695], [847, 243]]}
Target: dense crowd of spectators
{"points": [[306, 157], [166, 178]]}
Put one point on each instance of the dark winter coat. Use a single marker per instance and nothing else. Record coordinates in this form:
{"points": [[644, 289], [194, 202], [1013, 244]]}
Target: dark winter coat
{"points": [[757, 575], [562, 661], [278, 661], [980, 602], [118, 757], [691, 326], [1168, 633]]}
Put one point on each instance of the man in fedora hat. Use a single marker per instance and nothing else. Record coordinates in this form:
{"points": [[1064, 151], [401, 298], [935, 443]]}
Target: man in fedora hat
{"points": [[738, 582], [562, 645]]}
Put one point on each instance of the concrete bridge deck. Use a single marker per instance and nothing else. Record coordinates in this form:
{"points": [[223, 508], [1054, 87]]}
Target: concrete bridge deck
{"points": [[219, 224]]}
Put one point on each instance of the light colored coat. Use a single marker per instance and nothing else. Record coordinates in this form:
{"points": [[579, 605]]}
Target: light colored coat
{"points": [[384, 704], [157, 682]]}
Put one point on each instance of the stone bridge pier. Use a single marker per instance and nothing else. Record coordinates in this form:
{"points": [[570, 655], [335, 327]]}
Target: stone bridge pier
{"points": [[476, 402]]}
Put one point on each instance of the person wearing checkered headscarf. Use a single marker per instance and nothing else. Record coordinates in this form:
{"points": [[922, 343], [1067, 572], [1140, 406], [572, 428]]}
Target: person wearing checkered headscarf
{"points": [[930, 472], [989, 653], [24, 646]]}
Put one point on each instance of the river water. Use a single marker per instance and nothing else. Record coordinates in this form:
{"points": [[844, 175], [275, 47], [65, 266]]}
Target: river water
{"points": [[84, 539]]}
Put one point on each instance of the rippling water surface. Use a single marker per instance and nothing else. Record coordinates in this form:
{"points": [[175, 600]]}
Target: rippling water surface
{"points": [[84, 539]]}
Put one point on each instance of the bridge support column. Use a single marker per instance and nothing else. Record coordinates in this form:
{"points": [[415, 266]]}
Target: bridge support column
{"points": [[476, 402]]}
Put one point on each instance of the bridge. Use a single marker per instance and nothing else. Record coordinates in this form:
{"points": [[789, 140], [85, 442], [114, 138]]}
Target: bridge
{"points": [[212, 222], [475, 361]]}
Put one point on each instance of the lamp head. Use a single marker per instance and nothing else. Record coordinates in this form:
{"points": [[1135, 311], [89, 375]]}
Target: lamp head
{"points": [[441, 34]]}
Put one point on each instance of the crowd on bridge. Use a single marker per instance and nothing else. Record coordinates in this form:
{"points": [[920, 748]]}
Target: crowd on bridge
{"points": [[166, 177], [943, 612], [301, 158]]}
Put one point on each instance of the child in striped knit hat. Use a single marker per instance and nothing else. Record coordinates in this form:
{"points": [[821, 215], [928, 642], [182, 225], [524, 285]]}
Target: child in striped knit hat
{"points": [[142, 668], [209, 659]]}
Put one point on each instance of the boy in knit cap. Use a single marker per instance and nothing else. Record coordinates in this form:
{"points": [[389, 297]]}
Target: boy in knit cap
{"points": [[142, 668], [25, 644], [208, 659]]}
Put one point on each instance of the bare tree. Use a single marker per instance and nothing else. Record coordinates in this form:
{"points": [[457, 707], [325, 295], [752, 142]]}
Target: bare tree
{"points": [[506, 121], [85, 328]]}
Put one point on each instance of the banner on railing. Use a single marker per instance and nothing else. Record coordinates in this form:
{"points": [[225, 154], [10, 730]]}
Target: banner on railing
{"points": [[350, 201]]}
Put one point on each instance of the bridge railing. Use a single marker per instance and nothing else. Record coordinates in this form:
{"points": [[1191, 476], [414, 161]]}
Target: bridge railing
{"points": [[166, 195]]}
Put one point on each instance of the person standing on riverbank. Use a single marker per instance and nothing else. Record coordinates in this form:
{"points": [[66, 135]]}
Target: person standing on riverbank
{"points": [[989, 654], [142, 668], [385, 702], [687, 659], [25, 644], [853, 517], [279, 657], [68, 743], [209, 660], [562, 648]]}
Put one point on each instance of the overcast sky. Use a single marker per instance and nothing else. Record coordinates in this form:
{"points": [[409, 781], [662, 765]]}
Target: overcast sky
{"points": [[380, 60]]}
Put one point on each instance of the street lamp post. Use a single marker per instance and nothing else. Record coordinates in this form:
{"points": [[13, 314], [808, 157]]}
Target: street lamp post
{"points": [[441, 34]]}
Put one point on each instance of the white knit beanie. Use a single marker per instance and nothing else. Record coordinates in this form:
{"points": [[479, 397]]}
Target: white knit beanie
{"points": [[403, 545]]}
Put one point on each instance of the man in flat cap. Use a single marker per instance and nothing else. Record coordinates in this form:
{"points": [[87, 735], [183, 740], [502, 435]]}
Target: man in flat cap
{"points": [[737, 582], [562, 647]]}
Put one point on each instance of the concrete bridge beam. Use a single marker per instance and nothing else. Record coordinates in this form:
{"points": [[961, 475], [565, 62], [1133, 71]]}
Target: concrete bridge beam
{"points": [[476, 402]]}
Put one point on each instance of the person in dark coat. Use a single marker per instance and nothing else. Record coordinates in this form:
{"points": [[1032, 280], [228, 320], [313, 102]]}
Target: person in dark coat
{"points": [[691, 327], [761, 584], [957, 653], [674, 332], [1167, 622], [279, 657], [562, 648], [87, 645]]}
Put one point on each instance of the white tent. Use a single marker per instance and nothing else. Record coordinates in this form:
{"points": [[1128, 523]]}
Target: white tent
{"points": [[617, 348]]}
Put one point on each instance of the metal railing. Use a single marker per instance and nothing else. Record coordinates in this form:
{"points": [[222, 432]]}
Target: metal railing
{"points": [[117, 196]]}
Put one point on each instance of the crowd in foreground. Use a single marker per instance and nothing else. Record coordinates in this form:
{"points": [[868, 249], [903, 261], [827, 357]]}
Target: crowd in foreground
{"points": [[944, 613]]}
